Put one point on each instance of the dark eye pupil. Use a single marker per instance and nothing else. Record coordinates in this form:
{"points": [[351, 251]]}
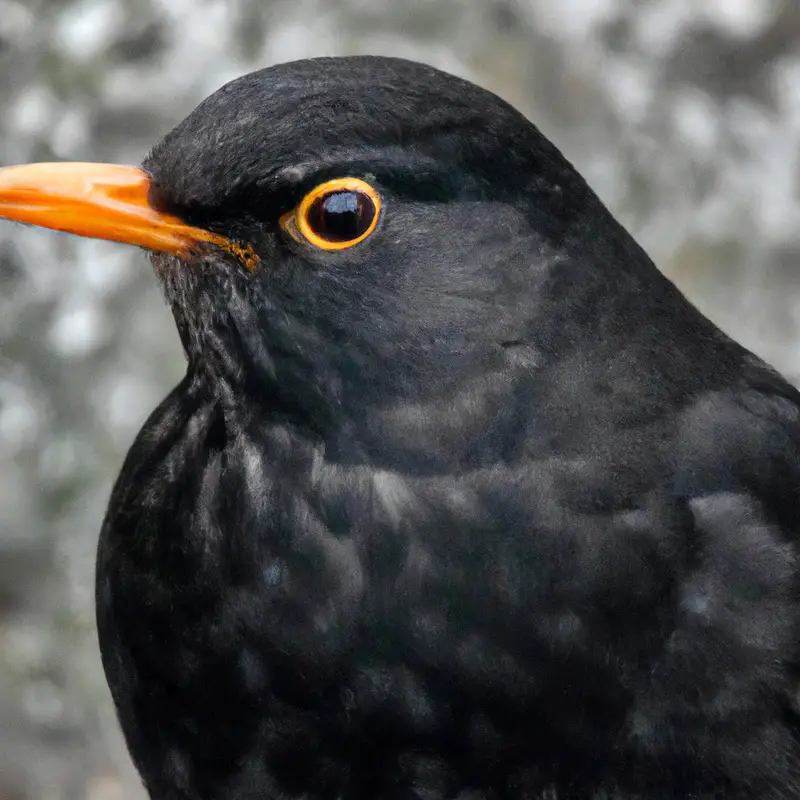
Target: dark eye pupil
{"points": [[341, 216]]}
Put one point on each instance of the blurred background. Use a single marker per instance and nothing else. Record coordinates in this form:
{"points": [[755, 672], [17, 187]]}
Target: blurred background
{"points": [[683, 114]]}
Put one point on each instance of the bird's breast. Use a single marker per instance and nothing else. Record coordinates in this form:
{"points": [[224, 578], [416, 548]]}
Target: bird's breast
{"points": [[310, 612]]}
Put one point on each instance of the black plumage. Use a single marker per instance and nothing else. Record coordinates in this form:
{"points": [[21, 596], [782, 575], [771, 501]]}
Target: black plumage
{"points": [[480, 507]]}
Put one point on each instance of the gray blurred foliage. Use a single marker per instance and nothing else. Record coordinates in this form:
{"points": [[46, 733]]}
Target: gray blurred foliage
{"points": [[684, 115]]}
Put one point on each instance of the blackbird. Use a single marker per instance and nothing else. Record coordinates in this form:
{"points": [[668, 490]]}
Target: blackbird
{"points": [[459, 496]]}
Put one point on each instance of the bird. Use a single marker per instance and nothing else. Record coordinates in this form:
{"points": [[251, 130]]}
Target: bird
{"points": [[459, 497]]}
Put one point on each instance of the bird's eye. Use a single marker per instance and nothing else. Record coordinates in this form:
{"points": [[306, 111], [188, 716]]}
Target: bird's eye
{"points": [[335, 215]]}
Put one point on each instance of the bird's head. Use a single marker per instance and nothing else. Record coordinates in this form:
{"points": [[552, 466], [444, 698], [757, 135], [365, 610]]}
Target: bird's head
{"points": [[337, 236]]}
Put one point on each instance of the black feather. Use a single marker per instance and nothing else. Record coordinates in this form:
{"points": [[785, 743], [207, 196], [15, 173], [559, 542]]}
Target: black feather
{"points": [[481, 508]]}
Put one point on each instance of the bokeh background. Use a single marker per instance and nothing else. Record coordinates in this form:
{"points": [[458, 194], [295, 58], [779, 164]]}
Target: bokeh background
{"points": [[683, 114]]}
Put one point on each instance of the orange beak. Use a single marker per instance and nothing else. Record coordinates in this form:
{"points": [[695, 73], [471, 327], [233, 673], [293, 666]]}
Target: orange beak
{"points": [[102, 201]]}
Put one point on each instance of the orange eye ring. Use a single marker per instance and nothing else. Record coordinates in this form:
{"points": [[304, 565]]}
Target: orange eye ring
{"points": [[335, 215]]}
